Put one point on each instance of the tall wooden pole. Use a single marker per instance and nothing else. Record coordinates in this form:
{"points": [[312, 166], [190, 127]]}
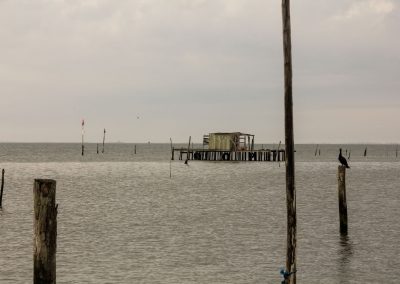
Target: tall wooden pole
{"points": [[45, 231], [289, 145], [104, 139], [2, 187]]}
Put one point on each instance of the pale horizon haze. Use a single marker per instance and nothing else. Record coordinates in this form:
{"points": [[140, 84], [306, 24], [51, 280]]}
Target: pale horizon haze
{"points": [[148, 70]]}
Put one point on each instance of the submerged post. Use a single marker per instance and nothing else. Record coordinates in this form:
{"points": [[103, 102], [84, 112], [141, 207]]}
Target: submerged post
{"points": [[45, 231], [342, 199], [135, 149], [2, 187], [289, 145]]}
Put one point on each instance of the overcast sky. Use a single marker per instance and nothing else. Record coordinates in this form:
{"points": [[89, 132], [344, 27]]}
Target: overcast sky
{"points": [[190, 67]]}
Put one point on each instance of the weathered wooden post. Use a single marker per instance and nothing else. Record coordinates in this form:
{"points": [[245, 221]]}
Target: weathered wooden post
{"points": [[45, 231], [188, 149], [289, 145], [104, 139], [97, 151], [2, 187], [342, 199], [83, 133], [172, 157], [172, 149], [135, 149]]}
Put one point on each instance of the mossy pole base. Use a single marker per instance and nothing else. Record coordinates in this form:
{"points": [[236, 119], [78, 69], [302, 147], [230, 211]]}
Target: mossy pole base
{"points": [[45, 231], [342, 199]]}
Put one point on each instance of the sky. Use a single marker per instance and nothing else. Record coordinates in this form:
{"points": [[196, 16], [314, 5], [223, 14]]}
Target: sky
{"points": [[148, 70]]}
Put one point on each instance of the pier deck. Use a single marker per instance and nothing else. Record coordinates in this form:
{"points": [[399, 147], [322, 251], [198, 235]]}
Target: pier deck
{"points": [[224, 155]]}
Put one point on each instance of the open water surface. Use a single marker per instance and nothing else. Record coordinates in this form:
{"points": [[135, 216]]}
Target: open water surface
{"points": [[122, 219]]}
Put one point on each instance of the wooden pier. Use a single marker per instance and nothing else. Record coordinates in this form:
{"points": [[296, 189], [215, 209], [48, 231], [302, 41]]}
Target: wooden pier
{"points": [[224, 155]]}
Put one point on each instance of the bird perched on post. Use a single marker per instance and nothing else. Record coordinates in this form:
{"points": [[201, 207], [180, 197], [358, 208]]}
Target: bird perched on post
{"points": [[342, 159]]}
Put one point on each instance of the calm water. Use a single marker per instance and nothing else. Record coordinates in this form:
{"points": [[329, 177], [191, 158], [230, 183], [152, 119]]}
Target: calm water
{"points": [[123, 220]]}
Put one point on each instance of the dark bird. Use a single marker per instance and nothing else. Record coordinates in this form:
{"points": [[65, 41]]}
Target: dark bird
{"points": [[342, 159]]}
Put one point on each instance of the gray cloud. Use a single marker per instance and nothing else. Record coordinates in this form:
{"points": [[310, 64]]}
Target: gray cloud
{"points": [[193, 66]]}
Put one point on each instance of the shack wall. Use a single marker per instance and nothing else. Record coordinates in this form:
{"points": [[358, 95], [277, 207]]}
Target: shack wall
{"points": [[221, 142]]}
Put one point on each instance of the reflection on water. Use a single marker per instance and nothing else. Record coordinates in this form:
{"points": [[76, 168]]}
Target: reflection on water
{"points": [[345, 253]]}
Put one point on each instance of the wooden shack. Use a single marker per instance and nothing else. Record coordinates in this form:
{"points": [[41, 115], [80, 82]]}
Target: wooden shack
{"points": [[229, 141], [229, 146]]}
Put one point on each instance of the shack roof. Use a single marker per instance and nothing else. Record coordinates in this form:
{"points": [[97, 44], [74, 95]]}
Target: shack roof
{"points": [[230, 133]]}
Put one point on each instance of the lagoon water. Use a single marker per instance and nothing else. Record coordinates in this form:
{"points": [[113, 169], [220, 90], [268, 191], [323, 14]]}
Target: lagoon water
{"points": [[122, 219]]}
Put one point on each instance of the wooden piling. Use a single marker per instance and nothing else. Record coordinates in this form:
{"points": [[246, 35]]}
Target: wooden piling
{"points": [[135, 149], [97, 148], [104, 139], [83, 133], [2, 187], [289, 145], [172, 150], [342, 199], [188, 149], [45, 231]]}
